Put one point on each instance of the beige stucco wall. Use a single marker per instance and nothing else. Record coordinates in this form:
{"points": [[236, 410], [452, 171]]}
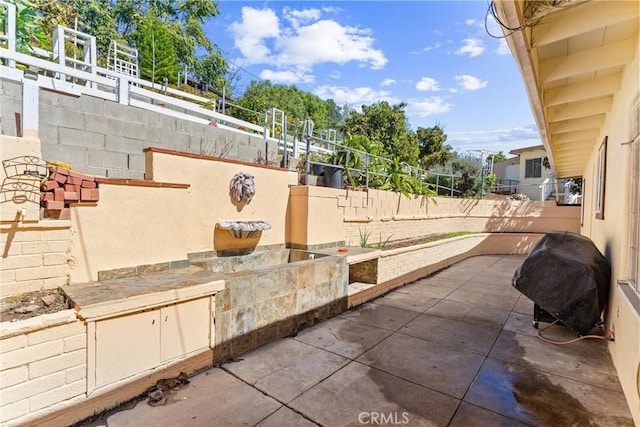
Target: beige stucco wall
{"points": [[611, 234], [340, 215], [131, 225], [208, 200]]}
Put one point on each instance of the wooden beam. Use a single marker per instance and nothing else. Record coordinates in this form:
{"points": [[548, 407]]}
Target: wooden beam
{"points": [[587, 61], [596, 122], [589, 143], [594, 88], [577, 110], [584, 18], [581, 135]]}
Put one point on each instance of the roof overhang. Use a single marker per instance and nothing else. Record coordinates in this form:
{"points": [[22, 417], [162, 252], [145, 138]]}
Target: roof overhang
{"points": [[572, 55]]}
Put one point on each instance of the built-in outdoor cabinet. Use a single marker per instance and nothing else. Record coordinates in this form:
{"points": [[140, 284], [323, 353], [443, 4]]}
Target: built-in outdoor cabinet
{"points": [[137, 342]]}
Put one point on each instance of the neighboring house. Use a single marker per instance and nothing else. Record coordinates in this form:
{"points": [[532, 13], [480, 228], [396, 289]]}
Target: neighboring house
{"points": [[525, 173], [580, 65]]}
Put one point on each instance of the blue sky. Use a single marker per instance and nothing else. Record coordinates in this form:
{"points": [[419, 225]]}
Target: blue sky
{"points": [[434, 55]]}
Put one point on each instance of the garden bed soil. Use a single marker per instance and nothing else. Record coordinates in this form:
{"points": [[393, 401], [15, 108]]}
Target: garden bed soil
{"points": [[418, 241], [32, 304]]}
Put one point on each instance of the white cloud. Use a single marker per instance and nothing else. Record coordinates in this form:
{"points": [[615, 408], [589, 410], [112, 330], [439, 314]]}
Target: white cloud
{"points": [[470, 22], [328, 41], [302, 39], [387, 82], [496, 140], [301, 16], [335, 74], [503, 47], [427, 84], [470, 83], [472, 47], [287, 76], [354, 96], [427, 106], [435, 46], [250, 34]]}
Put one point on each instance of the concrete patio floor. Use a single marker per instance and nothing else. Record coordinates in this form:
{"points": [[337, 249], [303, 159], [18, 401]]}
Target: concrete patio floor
{"points": [[453, 349]]}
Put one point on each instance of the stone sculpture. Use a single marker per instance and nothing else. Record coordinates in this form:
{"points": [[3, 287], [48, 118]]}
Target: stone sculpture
{"points": [[242, 188]]}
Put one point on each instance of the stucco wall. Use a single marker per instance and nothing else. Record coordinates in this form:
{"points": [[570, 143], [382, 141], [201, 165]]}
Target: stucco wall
{"points": [[43, 366], [339, 215], [131, 225], [208, 200], [611, 234]]}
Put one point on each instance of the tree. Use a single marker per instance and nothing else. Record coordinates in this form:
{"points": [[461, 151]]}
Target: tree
{"points": [[387, 124], [28, 26], [499, 157], [121, 20], [156, 49], [296, 104], [432, 148]]}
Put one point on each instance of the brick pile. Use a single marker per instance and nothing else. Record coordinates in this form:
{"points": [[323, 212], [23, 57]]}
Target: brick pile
{"points": [[63, 187]]}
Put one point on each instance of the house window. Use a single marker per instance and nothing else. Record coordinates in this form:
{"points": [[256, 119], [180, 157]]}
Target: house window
{"points": [[533, 168], [634, 217], [601, 177]]}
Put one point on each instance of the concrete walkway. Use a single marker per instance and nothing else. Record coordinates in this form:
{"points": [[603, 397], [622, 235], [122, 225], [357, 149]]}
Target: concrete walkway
{"points": [[453, 349]]}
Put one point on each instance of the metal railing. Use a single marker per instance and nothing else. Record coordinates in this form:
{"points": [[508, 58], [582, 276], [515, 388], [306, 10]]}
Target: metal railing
{"points": [[362, 169], [505, 186], [79, 74]]}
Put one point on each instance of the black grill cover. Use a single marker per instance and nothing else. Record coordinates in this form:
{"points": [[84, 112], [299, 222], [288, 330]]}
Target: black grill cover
{"points": [[567, 276]]}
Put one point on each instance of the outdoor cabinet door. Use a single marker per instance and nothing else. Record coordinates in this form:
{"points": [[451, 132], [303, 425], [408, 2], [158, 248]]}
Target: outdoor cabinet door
{"points": [[126, 346], [185, 328]]}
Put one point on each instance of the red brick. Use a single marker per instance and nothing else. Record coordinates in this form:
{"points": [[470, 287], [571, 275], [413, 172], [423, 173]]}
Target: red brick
{"points": [[58, 194], [57, 214], [54, 204], [75, 180], [72, 187], [72, 196], [46, 196], [49, 185], [61, 171], [89, 184], [58, 177], [89, 194], [82, 176]]}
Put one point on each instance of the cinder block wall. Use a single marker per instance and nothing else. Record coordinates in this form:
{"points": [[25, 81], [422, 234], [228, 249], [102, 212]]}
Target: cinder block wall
{"points": [[34, 256], [43, 366], [104, 138]]}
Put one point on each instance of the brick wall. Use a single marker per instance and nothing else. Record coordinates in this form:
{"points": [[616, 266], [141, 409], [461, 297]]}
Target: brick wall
{"points": [[34, 256], [42, 365], [104, 138]]}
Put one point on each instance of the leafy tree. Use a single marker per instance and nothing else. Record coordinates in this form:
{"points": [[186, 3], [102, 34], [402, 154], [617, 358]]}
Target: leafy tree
{"points": [[156, 49], [28, 25], [387, 124], [121, 20], [296, 104], [499, 157], [431, 142]]}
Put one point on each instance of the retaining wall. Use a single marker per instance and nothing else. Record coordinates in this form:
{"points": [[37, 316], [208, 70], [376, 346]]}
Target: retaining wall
{"points": [[105, 138]]}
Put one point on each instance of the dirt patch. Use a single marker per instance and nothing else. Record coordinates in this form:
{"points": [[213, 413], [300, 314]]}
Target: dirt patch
{"points": [[32, 304], [395, 244]]}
